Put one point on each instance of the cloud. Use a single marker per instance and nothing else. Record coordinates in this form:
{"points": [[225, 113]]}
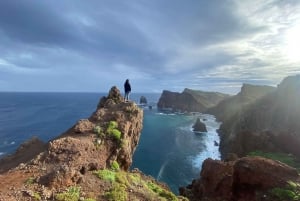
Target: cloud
{"points": [[89, 46]]}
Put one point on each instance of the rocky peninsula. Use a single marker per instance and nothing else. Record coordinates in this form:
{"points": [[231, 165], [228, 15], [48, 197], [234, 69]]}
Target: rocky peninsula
{"points": [[90, 161]]}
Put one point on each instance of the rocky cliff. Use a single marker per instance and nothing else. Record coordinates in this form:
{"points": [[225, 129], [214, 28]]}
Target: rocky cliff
{"points": [[90, 161], [271, 123], [189, 100], [238, 103], [245, 179]]}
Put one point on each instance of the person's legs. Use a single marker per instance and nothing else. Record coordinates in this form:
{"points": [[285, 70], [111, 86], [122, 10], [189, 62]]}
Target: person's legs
{"points": [[126, 96]]}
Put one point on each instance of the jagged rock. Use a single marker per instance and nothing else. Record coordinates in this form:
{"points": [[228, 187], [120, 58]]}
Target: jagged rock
{"points": [[143, 100], [83, 126], [246, 179], [114, 97], [199, 126], [72, 158]]}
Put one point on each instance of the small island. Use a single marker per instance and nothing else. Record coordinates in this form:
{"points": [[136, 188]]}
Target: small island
{"points": [[199, 126]]}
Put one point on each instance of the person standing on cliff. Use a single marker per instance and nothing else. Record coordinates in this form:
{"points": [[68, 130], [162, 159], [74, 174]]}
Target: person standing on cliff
{"points": [[127, 89]]}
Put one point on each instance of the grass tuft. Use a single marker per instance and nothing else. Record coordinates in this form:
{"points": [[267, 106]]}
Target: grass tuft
{"points": [[115, 166], [107, 175], [72, 194]]}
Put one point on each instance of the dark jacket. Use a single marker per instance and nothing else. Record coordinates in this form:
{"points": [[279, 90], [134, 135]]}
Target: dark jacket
{"points": [[127, 86]]}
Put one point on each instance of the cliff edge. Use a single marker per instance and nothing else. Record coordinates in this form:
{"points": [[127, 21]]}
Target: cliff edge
{"points": [[90, 161]]}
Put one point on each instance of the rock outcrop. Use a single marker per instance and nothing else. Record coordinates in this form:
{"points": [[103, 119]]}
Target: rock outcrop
{"points": [[189, 100], [105, 142], [199, 126], [143, 100], [271, 123], [246, 179]]}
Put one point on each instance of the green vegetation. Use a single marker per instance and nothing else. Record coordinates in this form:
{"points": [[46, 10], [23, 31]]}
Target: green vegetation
{"points": [[289, 193], [72, 194], [30, 180], [115, 166], [36, 196], [161, 192], [282, 157], [112, 124], [98, 131], [113, 131], [118, 192], [107, 175], [124, 182]]}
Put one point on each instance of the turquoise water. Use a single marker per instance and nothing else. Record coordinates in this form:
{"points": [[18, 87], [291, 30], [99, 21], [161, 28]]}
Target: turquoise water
{"points": [[168, 150]]}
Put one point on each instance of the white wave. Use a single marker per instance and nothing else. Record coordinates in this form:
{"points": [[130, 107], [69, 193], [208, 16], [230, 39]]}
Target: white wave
{"points": [[1, 153], [161, 170], [161, 113], [13, 142]]}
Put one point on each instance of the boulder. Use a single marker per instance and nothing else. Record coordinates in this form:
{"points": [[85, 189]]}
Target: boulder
{"points": [[83, 126], [199, 126], [245, 179]]}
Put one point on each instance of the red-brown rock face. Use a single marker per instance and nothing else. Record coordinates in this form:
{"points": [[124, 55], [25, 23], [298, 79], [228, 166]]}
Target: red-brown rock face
{"points": [[246, 179], [110, 134]]}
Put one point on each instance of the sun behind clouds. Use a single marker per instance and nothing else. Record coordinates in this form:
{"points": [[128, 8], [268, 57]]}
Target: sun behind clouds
{"points": [[292, 47]]}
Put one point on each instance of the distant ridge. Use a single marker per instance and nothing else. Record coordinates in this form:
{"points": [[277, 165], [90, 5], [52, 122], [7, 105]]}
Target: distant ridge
{"points": [[248, 94], [189, 100]]}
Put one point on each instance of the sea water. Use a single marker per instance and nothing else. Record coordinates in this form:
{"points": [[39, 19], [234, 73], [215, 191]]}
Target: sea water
{"points": [[168, 149]]}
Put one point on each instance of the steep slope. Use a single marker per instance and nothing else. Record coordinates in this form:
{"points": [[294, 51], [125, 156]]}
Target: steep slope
{"points": [[90, 160], [236, 104], [189, 100], [268, 124]]}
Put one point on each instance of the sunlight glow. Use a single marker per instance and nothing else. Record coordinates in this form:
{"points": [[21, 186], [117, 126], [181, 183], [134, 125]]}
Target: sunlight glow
{"points": [[292, 49]]}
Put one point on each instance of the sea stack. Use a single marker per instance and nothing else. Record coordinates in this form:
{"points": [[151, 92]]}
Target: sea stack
{"points": [[143, 100], [199, 126]]}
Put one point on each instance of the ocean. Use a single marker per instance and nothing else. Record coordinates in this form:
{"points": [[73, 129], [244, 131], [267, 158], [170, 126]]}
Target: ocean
{"points": [[168, 149]]}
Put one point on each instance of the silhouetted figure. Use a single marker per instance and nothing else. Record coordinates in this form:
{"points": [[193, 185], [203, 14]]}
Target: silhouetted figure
{"points": [[127, 89]]}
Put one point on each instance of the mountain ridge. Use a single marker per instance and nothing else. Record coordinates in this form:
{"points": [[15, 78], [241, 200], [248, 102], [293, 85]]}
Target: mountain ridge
{"points": [[269, 123], [189, 100]]}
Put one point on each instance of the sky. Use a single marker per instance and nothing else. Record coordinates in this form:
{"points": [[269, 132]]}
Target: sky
{"points": [[90, 46]]}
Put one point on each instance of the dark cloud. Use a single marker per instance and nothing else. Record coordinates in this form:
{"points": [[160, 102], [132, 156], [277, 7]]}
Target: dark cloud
{"points": [[34, 22], [167, 43]]}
